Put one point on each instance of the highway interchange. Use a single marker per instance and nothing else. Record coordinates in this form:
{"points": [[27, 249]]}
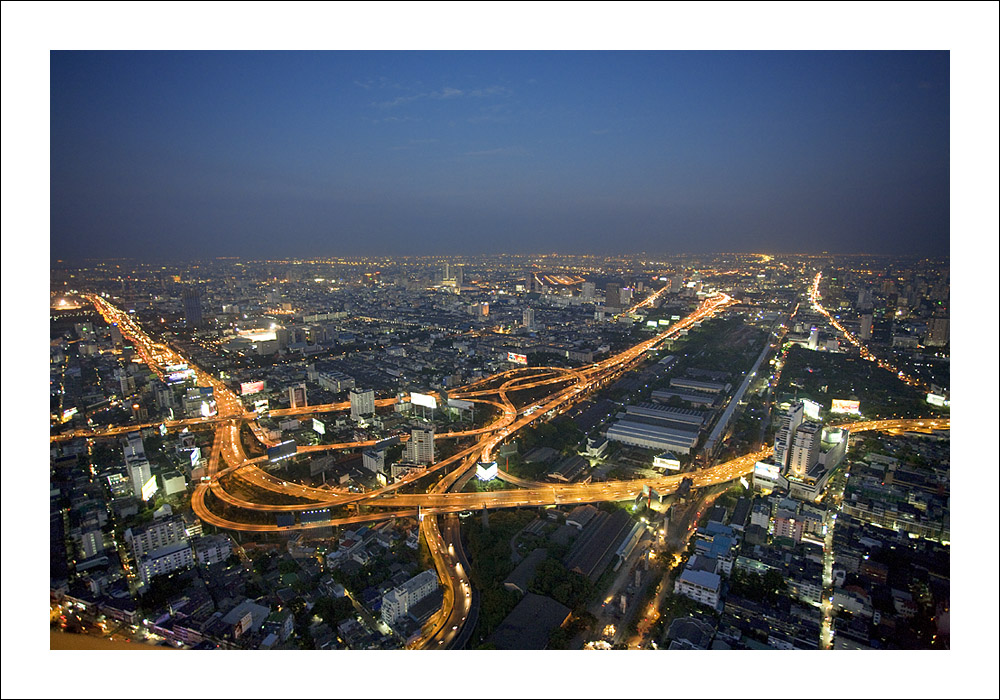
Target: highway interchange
{"points": [[228, 465]]}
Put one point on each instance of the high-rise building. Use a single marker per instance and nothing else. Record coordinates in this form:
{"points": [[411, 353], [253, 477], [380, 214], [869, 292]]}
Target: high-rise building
{"points": [[612, 297], [362, 403], [116, 334], [420, 448], [805, 448], [373, 460], [937, 332], [786, 431], [865, 333], [459, 276], [192, 306], [397, 602], [588, 291], [813, 338], [297, 396], [529, 319]]}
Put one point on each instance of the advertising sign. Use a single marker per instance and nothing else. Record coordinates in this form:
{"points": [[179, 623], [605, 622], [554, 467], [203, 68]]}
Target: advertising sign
{"points": [[319, 426], [486, 471], [517, 358], [248, 388], [461, 404], [810, 409], [283, 450], [261, 406], [845, 406], [937, 400], [767, 471], [149, 488], [423, 400]]}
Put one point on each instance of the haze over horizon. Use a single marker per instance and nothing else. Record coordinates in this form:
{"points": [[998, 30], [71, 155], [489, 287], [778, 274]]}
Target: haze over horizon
{"points": [[180, 155]]}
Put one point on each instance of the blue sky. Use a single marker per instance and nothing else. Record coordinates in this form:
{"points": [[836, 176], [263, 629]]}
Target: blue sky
{"points": [[286, 154]]}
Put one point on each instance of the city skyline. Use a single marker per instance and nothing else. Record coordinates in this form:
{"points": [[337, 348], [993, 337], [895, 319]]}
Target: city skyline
{"points": [[173, 155], [275, 219]]}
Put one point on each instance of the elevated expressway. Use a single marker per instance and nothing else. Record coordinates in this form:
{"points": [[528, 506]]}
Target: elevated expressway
{"points": [[570, 387]]}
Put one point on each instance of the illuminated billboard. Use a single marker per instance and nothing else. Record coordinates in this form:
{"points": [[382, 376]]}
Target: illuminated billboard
{"points": [[182, 375], [195, 456], [663, 322], [281, 451], [149, 488], [248, 388], [765, 470], [486, 471], [461, 404], [261, 406], [423, 400], [517, 358], [170, 369], [163, 428], [319, 426], [68, 413], [845, 406], [810, 409], [937, 400]]}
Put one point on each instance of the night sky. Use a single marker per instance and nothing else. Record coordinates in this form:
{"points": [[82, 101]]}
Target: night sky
{"points": [[182, 155]]}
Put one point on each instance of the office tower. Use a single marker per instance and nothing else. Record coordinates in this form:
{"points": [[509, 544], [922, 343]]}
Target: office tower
{"points": [[116, 335], [139, 474], [813, 337], [588, 291], [373, 460], [362, 403], [805, 448], [459, 276], [612, 298], [864, 299], [420, 448], [786, 431], [937, 332], [529, 319], [865, 333], [192, 306], [297, 395]]}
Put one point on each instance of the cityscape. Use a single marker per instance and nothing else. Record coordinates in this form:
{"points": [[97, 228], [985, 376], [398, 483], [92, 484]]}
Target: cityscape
{"points": [[504, 354]]}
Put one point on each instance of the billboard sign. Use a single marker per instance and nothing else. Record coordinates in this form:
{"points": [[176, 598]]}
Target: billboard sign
{"points": [[486, 471], [170, 369], [260, 406], [195, 456], [319, 426], [937, 400], [764, 470], [810, 409], [149, 488], [517, 358], [68, 413], [163, 428], [282, 451], [461, 404], [248, 388], [183, 375], [845, 406], [425, 400]]}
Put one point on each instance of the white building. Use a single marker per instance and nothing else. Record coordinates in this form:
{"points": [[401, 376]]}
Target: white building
{"points": [[373, 460], [783, 438], [164, 560], [156, 535], [213, 549], [700, 586], [529, 319], [420, 448], [805, 448], [362, 403], [397, 602]]}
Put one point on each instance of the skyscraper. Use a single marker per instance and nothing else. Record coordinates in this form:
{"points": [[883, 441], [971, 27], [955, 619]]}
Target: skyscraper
{"points": [[192, 306], [786, 431], [805, 448], [362, 403], [588, 291], [297, 395], [529, 319], [420, 448], [612, 297]]}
